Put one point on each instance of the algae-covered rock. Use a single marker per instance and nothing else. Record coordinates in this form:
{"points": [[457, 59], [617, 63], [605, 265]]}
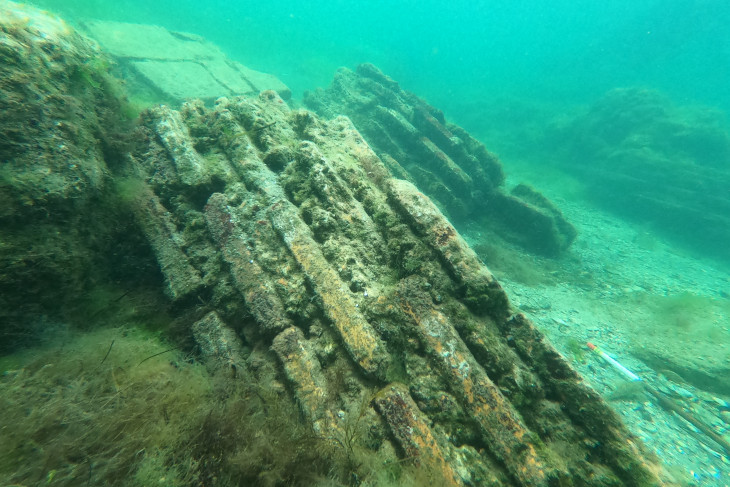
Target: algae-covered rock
{"points": [[655, 162], [443, 160], [359, 284], [60, 129], [359, 335]]}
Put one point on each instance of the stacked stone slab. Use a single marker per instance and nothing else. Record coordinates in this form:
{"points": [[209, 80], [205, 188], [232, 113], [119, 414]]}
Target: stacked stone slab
{"points": [[416, 143], [372, 303], [277, 230], [172, 66]]}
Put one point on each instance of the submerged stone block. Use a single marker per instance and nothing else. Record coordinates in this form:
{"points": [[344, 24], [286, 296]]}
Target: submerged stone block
{"points": [[175, 66], [441, 159], [386, 291], [654, 162], [289, 252], [218, 342], [412, 432], [303, 370]]}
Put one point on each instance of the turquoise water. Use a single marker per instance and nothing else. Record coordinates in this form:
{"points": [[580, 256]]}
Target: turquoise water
{"points": [[449, 52], [519, 75]]}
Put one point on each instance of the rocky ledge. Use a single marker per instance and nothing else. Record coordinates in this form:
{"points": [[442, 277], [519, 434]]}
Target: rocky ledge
{"points": [[284, 241]]}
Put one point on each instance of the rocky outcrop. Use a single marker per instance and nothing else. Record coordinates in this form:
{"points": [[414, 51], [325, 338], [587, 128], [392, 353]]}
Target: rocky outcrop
{"points": [[416, 143], [643, 157], [285, 245], [60, 128], [373, 305], [164, 66]]}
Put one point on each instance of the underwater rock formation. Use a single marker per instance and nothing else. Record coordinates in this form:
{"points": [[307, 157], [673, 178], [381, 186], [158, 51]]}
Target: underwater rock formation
{"points": [[416, 143], [60, 129], [166, 66], [291, 228], [285, 242], [645, 158]]}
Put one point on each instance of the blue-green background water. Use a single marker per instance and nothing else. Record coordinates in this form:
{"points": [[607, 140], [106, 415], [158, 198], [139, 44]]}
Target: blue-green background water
{"points": [[452, 52], [508, 70]]}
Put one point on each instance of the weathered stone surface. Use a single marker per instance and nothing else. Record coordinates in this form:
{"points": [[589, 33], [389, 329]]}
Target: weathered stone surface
{"points": [[412, 432], [482, 292], [342, 281], [582, 404], [218, 342], [161, 232], [176, 66], [304, 371], [499, 422], [441, 159], [58, 122], [355, 280]]}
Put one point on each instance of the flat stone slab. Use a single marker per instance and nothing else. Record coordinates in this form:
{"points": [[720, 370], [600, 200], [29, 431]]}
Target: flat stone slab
{"points": [[181, 79], [176, 66]]}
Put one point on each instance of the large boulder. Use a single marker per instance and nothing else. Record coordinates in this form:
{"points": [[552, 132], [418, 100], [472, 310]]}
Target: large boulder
{"points": [[293, 229], [645, 158], [60, 130]]}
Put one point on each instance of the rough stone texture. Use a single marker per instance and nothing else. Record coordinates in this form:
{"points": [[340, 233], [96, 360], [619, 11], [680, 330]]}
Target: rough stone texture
{"points": [[358, 283], [412, 432], [416, 143], [167, 243], [283, 240], [218, 343], [304, 371], [58, 122], [176, 66]]}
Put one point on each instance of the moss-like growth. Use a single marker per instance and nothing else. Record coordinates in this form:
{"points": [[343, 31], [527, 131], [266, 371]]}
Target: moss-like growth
{"points": [[120, 406], [576, 350], [90, 409]]}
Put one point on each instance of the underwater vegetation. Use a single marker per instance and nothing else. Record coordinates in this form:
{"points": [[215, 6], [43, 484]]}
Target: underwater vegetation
{"points": [[689, 311], [121, 406], [684, 312], [689, 329]]}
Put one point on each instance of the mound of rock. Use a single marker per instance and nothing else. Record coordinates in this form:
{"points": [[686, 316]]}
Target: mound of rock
{"points": [[284, 240], [643, 157], [60, 129], [293, 231], [416, 143]]}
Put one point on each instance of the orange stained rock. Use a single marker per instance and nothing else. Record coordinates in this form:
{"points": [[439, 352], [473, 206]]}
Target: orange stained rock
{"points": [[410, 428], [361, 341], [303, 370], [500, 424]]}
